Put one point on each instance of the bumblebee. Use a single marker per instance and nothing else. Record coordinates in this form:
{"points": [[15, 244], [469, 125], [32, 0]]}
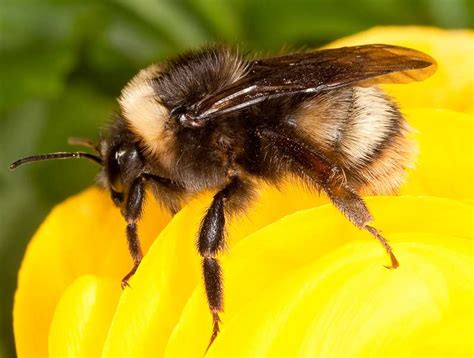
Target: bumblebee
{"points": [[213, 119]]}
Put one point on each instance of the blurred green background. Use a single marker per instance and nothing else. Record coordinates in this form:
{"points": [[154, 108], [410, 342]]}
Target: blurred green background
{"points": [[63, 63]]}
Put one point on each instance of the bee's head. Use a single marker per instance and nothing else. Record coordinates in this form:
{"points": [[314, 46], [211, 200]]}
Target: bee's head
{"points": [[122, 161]]}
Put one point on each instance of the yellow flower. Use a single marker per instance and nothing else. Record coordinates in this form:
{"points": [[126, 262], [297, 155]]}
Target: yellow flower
{"points": [[299, 279]]}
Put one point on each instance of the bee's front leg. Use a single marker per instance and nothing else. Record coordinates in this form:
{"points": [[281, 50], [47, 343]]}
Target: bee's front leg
{"points": [[132, 212]]}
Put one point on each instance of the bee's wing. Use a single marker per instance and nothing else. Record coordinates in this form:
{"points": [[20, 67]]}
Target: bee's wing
{"points": [[318, 71]]}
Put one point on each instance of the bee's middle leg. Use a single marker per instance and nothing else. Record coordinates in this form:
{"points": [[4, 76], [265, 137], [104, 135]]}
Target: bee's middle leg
{"points": [[211, 240]]}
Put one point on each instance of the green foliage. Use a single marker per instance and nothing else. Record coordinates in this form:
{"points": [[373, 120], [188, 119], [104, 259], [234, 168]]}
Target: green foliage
{"points": [[63, 62]]}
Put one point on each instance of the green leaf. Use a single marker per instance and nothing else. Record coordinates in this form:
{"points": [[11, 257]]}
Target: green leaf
{"points": [[175, 23]]}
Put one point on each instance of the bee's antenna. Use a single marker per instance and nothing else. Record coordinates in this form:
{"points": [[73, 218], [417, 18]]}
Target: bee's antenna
{"points": [[57, 155]]}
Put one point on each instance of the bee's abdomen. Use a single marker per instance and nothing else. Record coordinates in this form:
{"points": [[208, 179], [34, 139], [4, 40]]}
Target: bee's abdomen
{"points": [[364, 133]]}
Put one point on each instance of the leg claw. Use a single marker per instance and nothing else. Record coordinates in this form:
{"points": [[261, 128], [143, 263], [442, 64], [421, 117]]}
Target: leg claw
{"points": [[386, 246], [215, 329], [127, 277], [124, 284], [394, 260]]}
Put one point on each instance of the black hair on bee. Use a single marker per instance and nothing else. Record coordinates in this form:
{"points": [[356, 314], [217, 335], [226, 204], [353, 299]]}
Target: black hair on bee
{"points": [[214, 119]]}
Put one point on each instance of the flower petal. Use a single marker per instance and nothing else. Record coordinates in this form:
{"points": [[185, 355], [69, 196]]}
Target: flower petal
{"points": [[452, 86], [83, 235], [445, 165], [82, 317], [269, 274], [347, 305]]}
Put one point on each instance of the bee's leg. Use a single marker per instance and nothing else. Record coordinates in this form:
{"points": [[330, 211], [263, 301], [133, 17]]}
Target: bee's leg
{"points": [[354, 208], [133, 209], [132, 212], [211, 240], [307, 161], [386, 245]]}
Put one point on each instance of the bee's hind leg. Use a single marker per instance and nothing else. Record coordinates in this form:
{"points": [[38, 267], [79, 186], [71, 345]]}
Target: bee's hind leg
{"points": [[307, 161], [355, 209], [385, 244]]}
